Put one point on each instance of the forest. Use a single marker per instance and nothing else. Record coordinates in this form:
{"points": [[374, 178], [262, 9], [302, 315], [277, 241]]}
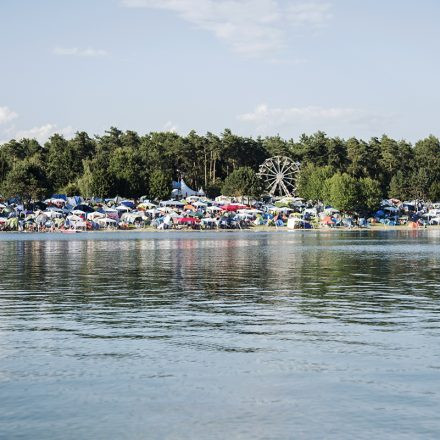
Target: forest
{"points": [[131, 165]]}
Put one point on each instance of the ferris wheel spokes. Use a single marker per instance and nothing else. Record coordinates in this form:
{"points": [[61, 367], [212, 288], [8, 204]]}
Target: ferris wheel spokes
{"points": [[279, 174]]}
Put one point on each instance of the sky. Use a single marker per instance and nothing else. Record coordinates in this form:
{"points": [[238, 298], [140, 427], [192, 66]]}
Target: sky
{"points": [[260, 67]]}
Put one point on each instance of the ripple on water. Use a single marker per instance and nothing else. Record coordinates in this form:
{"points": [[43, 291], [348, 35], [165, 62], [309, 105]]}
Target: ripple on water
{"points": [[264, 335]]}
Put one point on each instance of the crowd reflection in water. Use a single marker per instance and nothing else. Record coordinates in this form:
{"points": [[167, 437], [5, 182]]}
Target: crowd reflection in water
{"points": [[318, 275]]}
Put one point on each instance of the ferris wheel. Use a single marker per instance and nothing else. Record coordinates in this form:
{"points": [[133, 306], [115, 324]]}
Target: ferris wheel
{"points": [[279, 174]]}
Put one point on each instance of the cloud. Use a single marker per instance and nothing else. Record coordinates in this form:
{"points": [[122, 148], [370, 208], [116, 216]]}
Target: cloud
{"points": [[249, 27], [6, 115], [309, 14], [43, 132], [75, 51], [170, 127], [265, 118], [40, 133]]}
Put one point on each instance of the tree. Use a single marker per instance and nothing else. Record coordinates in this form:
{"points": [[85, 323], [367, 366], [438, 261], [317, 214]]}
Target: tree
{"points": [[434, 192], [344, 192], [85, 182], [160, 185], [242, 182], [399, 187], [359, 158], [313, 149], [129, 173], [313, 182], [427, 160], [337, 154], [102, 182], [27, 180], [123, 163], [370, 194], [60, 162]]}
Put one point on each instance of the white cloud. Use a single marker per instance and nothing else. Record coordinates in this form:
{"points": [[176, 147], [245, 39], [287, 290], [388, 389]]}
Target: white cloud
{"points": [[43, 132], [249, 27], [170, 127], [75, 51], [315, 14], [6, 115], [265, 118]]}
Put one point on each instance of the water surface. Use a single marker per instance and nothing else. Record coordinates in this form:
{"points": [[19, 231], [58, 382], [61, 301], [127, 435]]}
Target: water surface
{"points": [[220, 335]]}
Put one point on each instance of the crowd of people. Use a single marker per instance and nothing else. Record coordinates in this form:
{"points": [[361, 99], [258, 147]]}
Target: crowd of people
{"points": [[74, 214]]}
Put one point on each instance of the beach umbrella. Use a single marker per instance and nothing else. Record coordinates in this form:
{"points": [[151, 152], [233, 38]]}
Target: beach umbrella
{"points": [[390, 209], [73, 218], [128, 203], [188, 220], [106, 221], [53, 214], [214, 209], [231, 208], [331, 210], [95, 215], [199, 204], [167, 209], [146, 205], [85, 208], [79, 212], [327, 220]]}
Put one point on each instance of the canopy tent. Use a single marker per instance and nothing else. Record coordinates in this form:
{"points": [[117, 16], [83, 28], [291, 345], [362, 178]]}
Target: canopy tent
{"points": [[188, 220], [213, 208], [234, 207], [171, 203], [183, 190], [106, 221]]}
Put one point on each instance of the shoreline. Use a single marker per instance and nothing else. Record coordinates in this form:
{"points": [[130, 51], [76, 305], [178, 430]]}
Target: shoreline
{"points": [[260, 228]]}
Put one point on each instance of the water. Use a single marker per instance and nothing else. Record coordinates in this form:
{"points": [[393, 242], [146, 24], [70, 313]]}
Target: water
{"points": [[220, 335]]}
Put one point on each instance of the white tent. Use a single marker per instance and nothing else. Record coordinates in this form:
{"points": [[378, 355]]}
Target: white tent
{"points": [[186, 191]]}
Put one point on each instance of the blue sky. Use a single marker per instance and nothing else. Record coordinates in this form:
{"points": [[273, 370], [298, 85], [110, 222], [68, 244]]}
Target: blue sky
{"points": [[261, 67]]}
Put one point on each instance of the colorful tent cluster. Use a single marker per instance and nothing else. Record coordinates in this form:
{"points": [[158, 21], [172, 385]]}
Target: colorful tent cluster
{"points": [[71, 214]]}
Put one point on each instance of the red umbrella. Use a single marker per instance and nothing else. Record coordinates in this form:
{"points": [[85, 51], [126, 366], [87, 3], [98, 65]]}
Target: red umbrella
{"points": [[188, 220], [234, 207]]}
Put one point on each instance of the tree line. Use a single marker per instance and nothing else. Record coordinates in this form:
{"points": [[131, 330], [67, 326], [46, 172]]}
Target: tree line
{"points": [[132, 165]]}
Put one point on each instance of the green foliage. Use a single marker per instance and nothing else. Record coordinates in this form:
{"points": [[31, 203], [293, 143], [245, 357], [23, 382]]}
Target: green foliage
{"points": [[160, 185], [344, 192], [130, 176], [27, 180], [242, 182], [59, 162], [399, 187], [370, 194], [85, 181], [71, 189], [214, 189], [434, 191], [313, 182], [124, 163]]}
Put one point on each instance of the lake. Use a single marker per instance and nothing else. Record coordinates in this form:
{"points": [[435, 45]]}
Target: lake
{"points": [[229, 335]]}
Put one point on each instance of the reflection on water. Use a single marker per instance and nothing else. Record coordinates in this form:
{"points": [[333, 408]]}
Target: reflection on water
{"points": [[220, 335]]}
